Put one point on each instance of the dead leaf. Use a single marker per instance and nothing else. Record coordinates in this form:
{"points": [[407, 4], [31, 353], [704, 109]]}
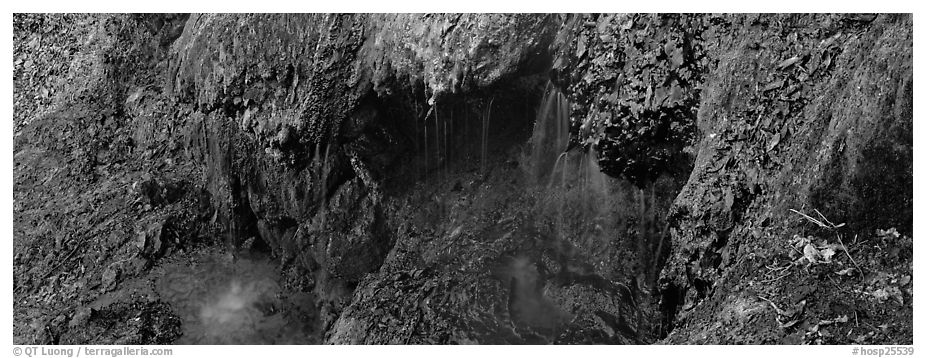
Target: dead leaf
{"points": [[678, 58], [796, 311], [811, 254], [892, 233], [827, 254], [110, 276], [774, 142], [773, 85], [580, 47], [799, 241], [787, 63], [627, 24], [456, 232], [883, 294], [669, 47], [846, 272], [728, 199]]}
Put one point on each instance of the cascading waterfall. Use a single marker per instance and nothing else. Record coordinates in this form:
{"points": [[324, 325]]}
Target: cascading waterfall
{"points": [[577, 191], [321, 164], [550, 137], [426, 144], [439, 160], [448, 136], [486, 117]]}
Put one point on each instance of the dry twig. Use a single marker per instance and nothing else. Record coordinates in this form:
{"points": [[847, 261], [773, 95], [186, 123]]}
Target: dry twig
{"points": [[829, 225]]}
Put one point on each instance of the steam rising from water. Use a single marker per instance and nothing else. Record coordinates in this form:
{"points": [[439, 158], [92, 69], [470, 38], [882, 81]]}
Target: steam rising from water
{"points": [[526, 302], [236, 311], [225, 301]]}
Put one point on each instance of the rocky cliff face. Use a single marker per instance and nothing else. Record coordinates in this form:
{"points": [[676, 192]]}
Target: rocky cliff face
{"points": [[440, 178], [800, 124], [292, 122]]}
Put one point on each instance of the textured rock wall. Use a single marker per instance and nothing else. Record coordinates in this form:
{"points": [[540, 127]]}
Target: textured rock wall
{"points": [[779, 112], [296, 120], [804, 120], [288, 124], [635, 81]]}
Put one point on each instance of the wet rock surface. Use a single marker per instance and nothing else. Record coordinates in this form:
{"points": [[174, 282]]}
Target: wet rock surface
{"points": [[463, 178]]}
